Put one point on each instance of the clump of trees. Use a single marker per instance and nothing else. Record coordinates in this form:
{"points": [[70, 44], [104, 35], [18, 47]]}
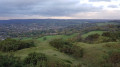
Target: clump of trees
{"points": [[10, 61], [112, 36], [60, 43], [67, 47], [92, 38], [13, 45], [97, 38]]}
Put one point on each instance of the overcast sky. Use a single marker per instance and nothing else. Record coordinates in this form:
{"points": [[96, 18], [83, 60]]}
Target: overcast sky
{"points": [[60, 9]]}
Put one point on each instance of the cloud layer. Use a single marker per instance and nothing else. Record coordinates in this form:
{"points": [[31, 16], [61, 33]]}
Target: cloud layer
{"points": [[54, 8], [99, 0]]}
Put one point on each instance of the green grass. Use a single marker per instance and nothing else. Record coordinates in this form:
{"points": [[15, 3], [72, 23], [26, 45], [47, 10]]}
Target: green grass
{"points": [[42, 46], [92, 32], [93, 53], [48, 38]]}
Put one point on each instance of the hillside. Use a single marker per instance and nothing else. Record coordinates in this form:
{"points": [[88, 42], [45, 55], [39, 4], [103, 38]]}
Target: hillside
{"points": [[93, 53], [72, 46]]}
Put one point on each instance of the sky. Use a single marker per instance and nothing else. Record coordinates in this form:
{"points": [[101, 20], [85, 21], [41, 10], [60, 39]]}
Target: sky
{"points": [[59, 9]]}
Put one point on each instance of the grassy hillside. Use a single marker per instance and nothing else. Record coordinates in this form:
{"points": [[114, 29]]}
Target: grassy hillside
{"points": [[92, 32], [42, 46], [94, 54]]}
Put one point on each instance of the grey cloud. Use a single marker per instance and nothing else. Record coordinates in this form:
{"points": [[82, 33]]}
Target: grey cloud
{"points": [[113, 6], [44, 7], [99, 0]]}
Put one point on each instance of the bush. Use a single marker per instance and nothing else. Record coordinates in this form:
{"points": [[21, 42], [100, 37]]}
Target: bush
{"points": [[67, 47], [77, 51], [57, 64], [106, 34], [113, 36], [45, 38], [60, 43], [112, 60], [92, 38], [79, 38], [112, 46], [40, 60], [35, 58], [13, 45], [67, 50], [10, 61]]}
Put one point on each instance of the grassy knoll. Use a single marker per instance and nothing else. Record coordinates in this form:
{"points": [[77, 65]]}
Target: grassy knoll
{"points": [[94, 54], [42, 46], [48, 38], [92, 32]]}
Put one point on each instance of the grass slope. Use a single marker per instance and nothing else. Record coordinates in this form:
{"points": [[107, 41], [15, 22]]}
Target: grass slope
{"points": [[92, 32], [42, 46], [93, 53]]}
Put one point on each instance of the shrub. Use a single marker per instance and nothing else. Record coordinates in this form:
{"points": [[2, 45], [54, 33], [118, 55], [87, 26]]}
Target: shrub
{"points": [[35, 58], [32, 60], [67, 50], [107, 34], [92, 38], [60, 43], [77, 51], [13, 45], [68, 61], [10, 61], [67, 47], [113, 36], [113, 59], [57, 64], [112, 46], [77, 38], [40, 60], [45, 38]]}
